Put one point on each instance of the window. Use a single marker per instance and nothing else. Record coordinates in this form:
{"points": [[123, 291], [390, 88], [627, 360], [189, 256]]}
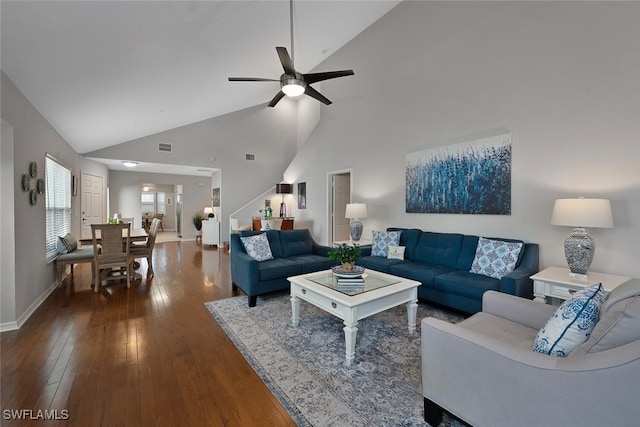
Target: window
{"points": [[148, 202], [153, 202], [58, 204], [162, 202]]}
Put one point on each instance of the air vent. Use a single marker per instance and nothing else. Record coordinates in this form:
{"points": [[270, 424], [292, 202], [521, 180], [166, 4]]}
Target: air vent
{"points": [[165, 147], [249, 156]]}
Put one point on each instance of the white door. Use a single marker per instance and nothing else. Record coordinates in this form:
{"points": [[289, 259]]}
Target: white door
{"points": [[92, 194]]}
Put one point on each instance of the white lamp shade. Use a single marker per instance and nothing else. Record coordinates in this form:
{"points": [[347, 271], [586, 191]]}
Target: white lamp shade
{"points": [[582, 213], [208, 210], [356, 210]]}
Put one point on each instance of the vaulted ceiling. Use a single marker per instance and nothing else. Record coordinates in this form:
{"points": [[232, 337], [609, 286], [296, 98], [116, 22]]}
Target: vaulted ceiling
{"points": [[107, 72]]}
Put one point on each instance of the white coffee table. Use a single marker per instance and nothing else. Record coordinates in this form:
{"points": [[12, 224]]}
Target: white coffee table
{"points": [[380, 292]]}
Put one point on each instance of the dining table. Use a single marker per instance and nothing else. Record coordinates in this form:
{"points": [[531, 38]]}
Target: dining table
{"points": [[136, 235]]}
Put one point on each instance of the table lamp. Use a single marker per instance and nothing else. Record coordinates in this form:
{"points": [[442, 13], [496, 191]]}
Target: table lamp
{"points": [[209, 212], [283, 189], [580, 213], [354, 212]]}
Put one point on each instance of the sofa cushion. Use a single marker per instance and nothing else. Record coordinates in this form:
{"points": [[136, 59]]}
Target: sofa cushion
{"points": [[466, 284], [495, 258], [424, 273], [382, 240], [630, 288], [378, 263], [278, 268], [617, 327], [409, 239], [439, 249], [572, 323], [257, 247], [311, 262], [295, 242], [66, 244]]}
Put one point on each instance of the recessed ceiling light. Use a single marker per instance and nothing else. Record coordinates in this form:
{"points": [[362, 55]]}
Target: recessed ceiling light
{"points": [[129, 163]]}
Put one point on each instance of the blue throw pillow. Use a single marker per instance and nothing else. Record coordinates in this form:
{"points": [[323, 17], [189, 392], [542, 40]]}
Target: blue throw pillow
{"points": [[257, 247], [495, 258], [572, 323], [382, 240]]}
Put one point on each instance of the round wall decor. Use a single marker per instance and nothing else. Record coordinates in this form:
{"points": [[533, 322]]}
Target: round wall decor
{"points": [[33, 197], [33, 169]]}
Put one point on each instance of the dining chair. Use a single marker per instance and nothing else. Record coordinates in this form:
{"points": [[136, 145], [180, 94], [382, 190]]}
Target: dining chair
{"points": [[145, 249], [128, 219], [159, 216], [111, 250]]}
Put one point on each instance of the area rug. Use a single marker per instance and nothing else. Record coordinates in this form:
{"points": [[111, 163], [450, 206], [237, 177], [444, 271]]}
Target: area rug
{"points": [[305, 368]]}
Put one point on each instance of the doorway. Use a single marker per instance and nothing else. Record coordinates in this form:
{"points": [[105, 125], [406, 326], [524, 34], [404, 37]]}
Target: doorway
{"points": [[92, 192], [339, 196]]}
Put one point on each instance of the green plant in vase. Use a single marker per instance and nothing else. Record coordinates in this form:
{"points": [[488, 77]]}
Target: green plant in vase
{"points": [[197, 220], [347, 255]]}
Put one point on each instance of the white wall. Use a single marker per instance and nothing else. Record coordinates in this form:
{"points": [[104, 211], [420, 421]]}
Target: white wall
{"points": [[125, 187], [269, 133], [34, 138], [7, 227], [562, 77]]}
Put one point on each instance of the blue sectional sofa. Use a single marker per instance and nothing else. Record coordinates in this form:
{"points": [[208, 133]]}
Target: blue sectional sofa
{"points": [[442, 263], [294, 252]]}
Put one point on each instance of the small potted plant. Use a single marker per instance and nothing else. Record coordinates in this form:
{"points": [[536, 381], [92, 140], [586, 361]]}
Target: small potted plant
{"points": [[347, 255], [197, 222]]}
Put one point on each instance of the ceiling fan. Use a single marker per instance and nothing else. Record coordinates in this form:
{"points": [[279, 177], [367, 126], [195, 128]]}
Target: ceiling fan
{"points": [[293, 83]]}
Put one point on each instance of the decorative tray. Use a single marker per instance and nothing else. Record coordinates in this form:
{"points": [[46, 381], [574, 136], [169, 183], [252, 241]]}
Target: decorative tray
{"points": [[338, 272]]}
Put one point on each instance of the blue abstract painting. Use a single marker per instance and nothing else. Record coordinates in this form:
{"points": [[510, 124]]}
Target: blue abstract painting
{"points": [[472, 177]]}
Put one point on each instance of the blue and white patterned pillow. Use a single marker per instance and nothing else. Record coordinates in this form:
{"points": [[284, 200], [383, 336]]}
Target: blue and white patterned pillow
{"points": [[382, 240], [257, 247], [572, 322], [495, 258]]}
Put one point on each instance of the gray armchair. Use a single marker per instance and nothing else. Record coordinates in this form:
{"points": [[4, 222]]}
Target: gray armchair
{"points": [[484, 372]]}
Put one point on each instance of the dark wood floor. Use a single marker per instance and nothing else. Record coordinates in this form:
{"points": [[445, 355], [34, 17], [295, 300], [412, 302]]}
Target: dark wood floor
{"points": [[145, 356]]}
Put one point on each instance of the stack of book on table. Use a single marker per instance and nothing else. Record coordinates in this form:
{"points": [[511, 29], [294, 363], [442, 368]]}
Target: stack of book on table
{"points": [[355, 281]]}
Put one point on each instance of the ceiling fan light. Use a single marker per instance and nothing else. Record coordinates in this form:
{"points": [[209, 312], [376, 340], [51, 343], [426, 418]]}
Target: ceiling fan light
{"points": [[293, 87]]}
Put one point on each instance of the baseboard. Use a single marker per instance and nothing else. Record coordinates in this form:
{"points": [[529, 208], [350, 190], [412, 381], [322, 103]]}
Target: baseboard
{"points": [[12, 326]]}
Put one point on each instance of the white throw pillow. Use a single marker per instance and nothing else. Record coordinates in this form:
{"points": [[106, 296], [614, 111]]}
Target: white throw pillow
{"points": [[66, 244], [396, 252], [257, 247], [572, 322], [495, 258], [382, 240]]}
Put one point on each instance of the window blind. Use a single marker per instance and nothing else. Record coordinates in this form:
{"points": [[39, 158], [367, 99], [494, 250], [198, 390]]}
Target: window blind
{"points": [[58, 204]]}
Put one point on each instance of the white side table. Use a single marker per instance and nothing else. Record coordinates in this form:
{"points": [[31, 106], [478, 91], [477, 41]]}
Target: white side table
{"points": [[211, 233], [555, 282]]}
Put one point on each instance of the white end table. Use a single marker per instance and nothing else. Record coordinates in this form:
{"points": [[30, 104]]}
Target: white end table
{"points": [[556, 282]]}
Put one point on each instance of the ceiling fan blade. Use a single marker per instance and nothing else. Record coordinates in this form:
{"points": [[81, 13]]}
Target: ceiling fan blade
{"points": [[317, 77], [285, 60], [317, 95], [276, 99], [251, 79]]}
